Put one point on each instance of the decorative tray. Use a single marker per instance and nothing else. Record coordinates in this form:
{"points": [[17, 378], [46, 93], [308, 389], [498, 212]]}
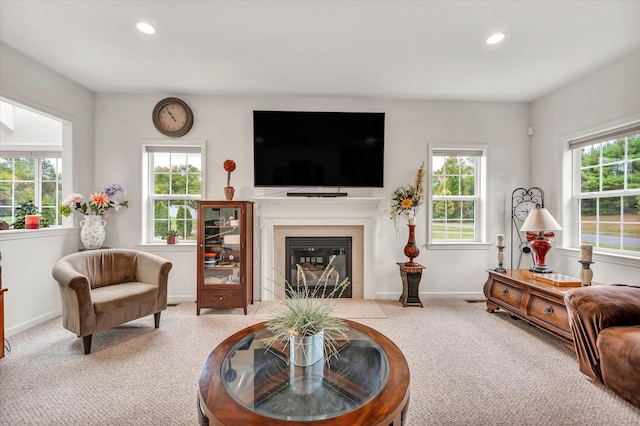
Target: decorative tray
{"points": [[559, 280]]}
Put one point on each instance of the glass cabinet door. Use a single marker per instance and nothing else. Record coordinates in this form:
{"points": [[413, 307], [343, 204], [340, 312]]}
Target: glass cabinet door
{"points": [[221, 246]]}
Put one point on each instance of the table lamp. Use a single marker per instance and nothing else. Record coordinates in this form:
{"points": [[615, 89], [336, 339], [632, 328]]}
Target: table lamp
{"points": [[537, 226]]}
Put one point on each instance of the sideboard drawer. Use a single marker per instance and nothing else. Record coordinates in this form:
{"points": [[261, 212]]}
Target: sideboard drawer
{"points": [[506, 294], [551, 312]]}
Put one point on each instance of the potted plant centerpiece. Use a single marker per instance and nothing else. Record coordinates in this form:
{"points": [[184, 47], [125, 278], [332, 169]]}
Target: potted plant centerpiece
{"points": [[306, 324], [171, 235], [28, 217]]}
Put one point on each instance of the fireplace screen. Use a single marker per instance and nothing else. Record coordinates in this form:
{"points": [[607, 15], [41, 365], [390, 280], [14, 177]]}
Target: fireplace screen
{"points": [[312, 254]]}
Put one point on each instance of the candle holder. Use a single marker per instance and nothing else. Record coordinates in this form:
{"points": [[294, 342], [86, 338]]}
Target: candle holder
{"points": [[500, 259], [586, 274]]}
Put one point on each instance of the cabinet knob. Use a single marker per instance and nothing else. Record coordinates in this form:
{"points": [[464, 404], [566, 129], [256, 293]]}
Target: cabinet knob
{"points": [[505, 292], [548, 310], [221, 297]]}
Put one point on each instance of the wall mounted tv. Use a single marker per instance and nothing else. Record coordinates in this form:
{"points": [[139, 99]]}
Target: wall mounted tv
{"points": [[318, 149]]}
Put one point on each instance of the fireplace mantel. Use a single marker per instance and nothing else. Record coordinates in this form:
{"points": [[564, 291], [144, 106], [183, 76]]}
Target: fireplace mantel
{"points": [[317, 211]]}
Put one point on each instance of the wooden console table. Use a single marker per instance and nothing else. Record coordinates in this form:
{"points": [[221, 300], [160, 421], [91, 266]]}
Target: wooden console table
{"points": [[411, 276], [540, 304]]}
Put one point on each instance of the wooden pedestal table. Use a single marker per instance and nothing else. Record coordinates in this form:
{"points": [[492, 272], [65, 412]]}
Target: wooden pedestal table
{"points": [[244, 383], [411, 276]]}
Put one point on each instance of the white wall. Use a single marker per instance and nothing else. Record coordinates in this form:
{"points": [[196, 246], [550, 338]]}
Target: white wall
{"points": [[28, 255], [123, 122], [604, 98]]}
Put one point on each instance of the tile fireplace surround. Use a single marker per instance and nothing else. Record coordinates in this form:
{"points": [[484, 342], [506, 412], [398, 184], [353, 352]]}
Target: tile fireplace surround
{"points": [[318, 216]]}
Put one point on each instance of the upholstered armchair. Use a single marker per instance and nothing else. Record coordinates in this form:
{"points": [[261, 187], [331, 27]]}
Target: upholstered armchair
{"points": [[101, 289], [605, 323]]}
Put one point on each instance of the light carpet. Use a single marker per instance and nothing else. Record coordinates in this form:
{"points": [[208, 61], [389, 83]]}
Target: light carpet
{"points": [[343, 308], [468, 367]]}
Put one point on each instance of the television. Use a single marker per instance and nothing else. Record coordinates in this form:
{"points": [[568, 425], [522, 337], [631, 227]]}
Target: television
{"points": [[318, 149]]}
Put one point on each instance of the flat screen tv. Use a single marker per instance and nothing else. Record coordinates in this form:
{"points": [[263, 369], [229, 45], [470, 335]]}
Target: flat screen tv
{"points": [[318, 149]]}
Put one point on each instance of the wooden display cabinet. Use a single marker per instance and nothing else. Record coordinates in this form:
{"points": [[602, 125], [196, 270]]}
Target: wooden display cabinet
{"points": [[225, 254]]}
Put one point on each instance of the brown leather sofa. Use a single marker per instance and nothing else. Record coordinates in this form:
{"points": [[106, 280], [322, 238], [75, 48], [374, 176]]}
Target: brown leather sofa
{"points": [[101, 289], [605, 323]]}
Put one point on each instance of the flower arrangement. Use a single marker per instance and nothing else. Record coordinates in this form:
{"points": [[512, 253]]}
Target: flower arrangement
{"points": [[229, 166], [407, 199], [96, 204], [307, 312]]}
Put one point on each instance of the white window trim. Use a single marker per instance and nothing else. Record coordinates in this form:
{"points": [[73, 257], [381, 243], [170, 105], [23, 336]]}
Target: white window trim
{"points": [[480, 243], [147, 229], [568, 145], [66, 148]]}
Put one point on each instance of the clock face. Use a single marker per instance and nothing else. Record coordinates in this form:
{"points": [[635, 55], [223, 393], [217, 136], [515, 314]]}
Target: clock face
{"points": [[521, 211], [172, 117]]}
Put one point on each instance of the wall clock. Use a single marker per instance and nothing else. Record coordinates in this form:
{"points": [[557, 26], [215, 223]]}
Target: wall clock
{"points": [[522, 202], [172, 117]]}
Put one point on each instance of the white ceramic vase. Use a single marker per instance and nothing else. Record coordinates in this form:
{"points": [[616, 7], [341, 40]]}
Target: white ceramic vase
{"points": [[92, 234]]}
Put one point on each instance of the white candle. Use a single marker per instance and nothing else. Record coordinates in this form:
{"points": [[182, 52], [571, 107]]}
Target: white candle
{"points": [[500, 240], [586, 252]]}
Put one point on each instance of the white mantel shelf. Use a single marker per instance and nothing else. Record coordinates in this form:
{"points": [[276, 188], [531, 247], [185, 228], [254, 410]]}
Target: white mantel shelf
{"points": [[317, 211], [312, 206]]}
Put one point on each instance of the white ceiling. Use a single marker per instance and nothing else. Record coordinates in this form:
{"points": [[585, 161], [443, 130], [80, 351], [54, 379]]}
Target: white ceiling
{"points": [[399, 49]]}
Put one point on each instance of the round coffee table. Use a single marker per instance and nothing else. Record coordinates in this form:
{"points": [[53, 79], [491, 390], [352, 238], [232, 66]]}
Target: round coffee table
{"points": [[244, 383]]}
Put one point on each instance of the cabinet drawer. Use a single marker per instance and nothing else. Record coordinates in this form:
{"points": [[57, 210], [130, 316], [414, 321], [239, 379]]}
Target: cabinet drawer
{"points": [[221, 299], [506, 294], [550, 312]]}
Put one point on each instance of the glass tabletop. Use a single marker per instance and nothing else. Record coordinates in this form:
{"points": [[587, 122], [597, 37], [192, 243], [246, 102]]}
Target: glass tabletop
{"points": [[263, 380]]}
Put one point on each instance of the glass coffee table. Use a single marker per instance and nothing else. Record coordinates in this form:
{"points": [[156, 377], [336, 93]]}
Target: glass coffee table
{"points": [[242, 382]]}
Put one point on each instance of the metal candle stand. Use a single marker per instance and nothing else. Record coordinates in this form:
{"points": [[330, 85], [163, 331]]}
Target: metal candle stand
{"points": [[500, 259], [586, 274]]}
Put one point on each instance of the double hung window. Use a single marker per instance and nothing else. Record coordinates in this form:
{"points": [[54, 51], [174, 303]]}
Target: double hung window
{"points": [[457, 193], [607, 189], [173, 189]]}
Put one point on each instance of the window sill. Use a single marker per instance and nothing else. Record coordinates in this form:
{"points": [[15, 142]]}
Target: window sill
{"points": [[618, 259], [183, 246], [27, 234], [459, 246]]}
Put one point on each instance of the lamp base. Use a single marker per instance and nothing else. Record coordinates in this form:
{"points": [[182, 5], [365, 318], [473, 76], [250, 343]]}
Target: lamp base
{"points": [[541, 269]]}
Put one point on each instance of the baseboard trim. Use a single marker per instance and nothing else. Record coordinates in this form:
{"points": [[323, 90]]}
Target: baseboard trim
{"points": [[31, 323]]}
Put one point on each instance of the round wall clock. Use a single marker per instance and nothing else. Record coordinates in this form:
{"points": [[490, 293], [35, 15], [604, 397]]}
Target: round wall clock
{"points": [[521, 211], [172, 117]]}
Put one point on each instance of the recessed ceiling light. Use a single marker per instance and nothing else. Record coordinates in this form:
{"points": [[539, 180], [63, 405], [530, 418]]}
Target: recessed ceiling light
{"points": [[495, 38], [145, 28]]}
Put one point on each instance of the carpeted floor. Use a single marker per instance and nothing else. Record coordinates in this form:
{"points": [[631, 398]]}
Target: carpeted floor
{"points": [[468, 367]]}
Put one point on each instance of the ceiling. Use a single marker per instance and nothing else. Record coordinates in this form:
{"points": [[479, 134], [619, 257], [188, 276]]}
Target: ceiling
{"points": [[397, 49]]}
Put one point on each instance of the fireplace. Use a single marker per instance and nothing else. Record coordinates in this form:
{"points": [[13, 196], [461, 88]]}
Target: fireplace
{"points": [[282, 217], [307, 258]]}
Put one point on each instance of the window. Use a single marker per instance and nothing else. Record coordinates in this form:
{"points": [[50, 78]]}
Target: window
{"points": [[174, 188], [607, 189], [30, 161], [30, 177], [457, 191]]}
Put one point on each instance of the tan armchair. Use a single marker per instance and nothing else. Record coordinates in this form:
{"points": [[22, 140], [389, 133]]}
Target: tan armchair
{"points": [[101, 289]]}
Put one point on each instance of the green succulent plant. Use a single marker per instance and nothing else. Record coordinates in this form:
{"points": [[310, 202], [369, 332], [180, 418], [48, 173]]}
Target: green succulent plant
{"points": [[26, 209]]}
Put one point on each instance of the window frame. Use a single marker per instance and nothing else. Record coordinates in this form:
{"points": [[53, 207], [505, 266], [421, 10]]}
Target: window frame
{"points": [[39, 157], [575, 146], [481, 152], [148, 198]]}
